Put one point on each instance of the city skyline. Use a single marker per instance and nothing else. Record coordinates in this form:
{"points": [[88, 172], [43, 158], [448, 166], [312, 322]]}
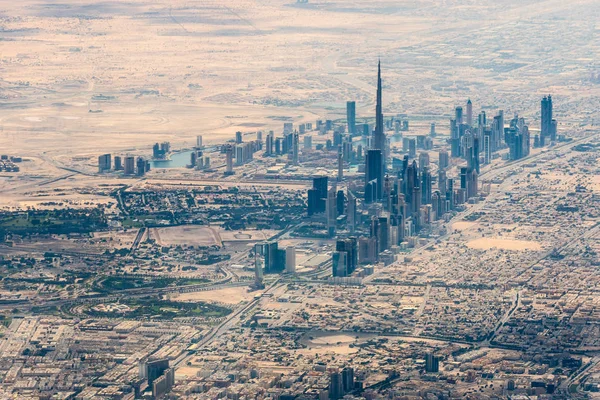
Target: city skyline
{"points": [[294, 200]]}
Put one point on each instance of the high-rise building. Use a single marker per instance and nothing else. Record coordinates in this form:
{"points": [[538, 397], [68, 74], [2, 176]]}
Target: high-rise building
{"points": [[295, 148], [274, 257], [432, 363], [367, 250], [426, 186], [104, 163], [153, 369], [469, 113], [412, 148], [348, 246], [118, 163], [340, 202], [458, 115], [432, 130], [316, 203], [351, 117], [238, 137], [546, 123], [336, 390], [269, 144], [290, 259], [380, 231], [140, 167], [487, 147], [307, 142], [379, 139], [229, 160], [442, 180], [259, 264], [423, 161], [373, 176], [351, 213], [339, 262], [331, 210], [199, 142], [348, 379], [288, 127], [454, 139], [340, 162], [129, 165], [444, 160], [482, 119], [475, 154], [450, 194]]}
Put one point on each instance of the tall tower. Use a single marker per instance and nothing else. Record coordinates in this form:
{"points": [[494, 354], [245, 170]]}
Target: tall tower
{"points": [[379, 135], [351, 117], [351, 213], [469, 113], [340, 175], [373, 176], [229, 160], [546, 128], [295, 147]]}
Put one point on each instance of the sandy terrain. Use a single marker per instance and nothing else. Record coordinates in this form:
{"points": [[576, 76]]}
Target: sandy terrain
{"points": [[84, 77], [334, 339], [229, 295], [463, 225], [190, 235], [246, 236], [505, 244]]}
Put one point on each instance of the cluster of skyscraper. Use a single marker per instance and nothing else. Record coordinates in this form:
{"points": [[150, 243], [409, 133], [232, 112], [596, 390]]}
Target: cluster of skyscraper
{"points": [[130, 166]]}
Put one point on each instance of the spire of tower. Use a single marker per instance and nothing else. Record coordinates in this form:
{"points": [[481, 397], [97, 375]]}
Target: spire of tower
{"points": [[379, 136]]}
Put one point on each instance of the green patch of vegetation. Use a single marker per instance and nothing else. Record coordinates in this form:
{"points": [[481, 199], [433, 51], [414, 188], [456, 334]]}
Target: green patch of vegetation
{"points": [[152, 308], [124, 282], [45, 310], [52, 221]]}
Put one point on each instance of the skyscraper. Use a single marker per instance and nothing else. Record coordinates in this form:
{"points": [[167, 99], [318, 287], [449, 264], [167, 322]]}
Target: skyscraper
{"points": [[423, 161], [349, 247], [444, 161], [546, 125], [458, 115], [295, 148], [317, 196], [140, 167], [331, 210], [379, 134], [118, 165], [290, 260], [351, 213], [373, 175], [487, 149], [469, 113], [269, 144], [340, 174], [274, 258], [351, 117], [104, 163], [432, 363], [336, 390], [129, 165], [339, 261], [426, 186], [229, 160]]}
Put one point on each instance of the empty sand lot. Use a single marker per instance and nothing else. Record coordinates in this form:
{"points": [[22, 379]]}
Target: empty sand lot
{"points": [[189, 235]]}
